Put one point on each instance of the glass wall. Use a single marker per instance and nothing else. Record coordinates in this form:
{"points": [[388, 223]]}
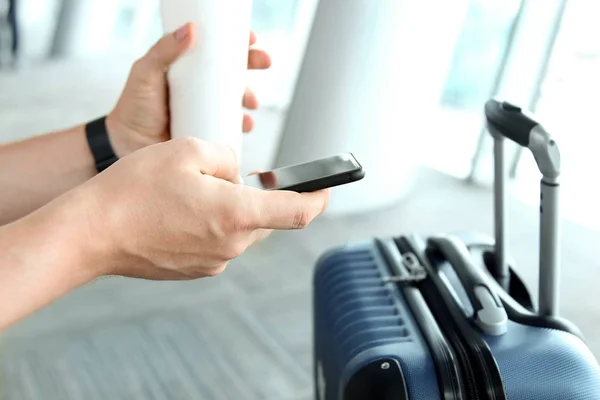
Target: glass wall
{"points": [[473, 77], [480, 53], [568, 106]]}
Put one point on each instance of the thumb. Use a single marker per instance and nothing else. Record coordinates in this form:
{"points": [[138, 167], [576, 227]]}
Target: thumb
{"points": [[170, 47], [285, 210]]}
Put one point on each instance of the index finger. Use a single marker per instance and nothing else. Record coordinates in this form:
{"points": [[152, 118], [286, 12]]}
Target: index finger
{"points": [[285, 210]]}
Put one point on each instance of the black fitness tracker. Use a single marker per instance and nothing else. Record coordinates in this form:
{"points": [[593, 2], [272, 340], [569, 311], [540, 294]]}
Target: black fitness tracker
{"points": [[99, 143]]}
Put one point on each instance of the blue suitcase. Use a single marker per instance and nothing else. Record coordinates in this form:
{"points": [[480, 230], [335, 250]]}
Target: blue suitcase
{"points": [[447, 316]]}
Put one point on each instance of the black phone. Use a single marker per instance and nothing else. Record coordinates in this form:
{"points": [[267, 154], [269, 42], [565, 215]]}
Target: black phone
{"points": [[310, 176]]}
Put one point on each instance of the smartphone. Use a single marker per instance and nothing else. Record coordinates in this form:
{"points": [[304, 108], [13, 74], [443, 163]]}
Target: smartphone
{"points": [[311, 176]]}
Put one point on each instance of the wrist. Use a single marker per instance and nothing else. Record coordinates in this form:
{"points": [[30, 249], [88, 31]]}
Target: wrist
{"points": [[125, 140], [122, 140]]}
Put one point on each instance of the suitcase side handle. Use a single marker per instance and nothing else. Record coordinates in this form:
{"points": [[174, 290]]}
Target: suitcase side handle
{"points": [[490, 315], [505, 120]]}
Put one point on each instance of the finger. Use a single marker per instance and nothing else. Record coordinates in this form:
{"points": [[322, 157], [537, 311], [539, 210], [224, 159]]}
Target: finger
{"points": [[250, 101], [285, 210], [209, 158], [253, 38], [247, 124], [258, 59], [170, 48]]}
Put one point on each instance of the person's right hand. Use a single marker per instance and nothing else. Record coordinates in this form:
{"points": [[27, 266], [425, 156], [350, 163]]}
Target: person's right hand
{"points": [[175, 211]]}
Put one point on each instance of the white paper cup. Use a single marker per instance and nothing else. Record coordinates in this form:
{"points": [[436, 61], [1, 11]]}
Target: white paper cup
{"points": [[207, 85]]}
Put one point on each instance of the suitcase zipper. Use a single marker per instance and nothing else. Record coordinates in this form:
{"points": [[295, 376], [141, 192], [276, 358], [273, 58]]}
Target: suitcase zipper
{"points": [[406, 272], [477, 370], [444, 319]]}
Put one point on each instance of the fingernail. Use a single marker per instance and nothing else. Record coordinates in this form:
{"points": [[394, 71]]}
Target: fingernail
{"points": [[182, 33]]}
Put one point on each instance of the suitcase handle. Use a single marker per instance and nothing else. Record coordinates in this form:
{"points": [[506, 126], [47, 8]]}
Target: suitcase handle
{"points": [[505, 120], [509, 121], [512, 122], [490, 314]]}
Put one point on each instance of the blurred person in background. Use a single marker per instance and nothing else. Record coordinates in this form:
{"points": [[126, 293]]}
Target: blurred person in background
{"points": [[12, 20], [162, 209], [12, 31]]}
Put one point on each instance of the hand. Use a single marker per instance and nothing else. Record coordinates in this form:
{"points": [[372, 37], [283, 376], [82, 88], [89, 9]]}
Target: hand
{"points": [[175, 211], [141, 116]]}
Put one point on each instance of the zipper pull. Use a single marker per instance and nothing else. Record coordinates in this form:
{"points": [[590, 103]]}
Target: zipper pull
{"points": [[415, 271]]}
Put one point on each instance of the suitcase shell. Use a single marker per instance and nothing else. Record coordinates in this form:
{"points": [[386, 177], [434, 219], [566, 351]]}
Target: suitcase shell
{"points": [[368, 344], [359, 320]]}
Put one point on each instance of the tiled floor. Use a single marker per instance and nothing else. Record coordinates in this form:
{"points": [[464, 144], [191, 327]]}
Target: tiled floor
{"points": [[247, 334]]}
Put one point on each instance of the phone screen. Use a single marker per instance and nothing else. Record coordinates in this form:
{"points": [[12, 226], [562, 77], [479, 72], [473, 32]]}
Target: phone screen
{"points": [[293, 175]]}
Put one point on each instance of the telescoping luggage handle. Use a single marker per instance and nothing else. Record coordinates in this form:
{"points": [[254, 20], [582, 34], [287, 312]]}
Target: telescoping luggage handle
{"points": [[505, 120]]}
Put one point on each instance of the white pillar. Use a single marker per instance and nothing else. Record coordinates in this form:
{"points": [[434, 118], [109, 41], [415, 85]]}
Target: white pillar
{"points": [[370, 83]]}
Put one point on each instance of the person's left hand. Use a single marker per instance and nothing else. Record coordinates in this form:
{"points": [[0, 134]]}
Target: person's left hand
{"points": [[141, 116]]}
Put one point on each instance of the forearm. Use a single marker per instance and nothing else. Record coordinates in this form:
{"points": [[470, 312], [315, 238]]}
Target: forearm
{"points": [[37, 170], [42, 257]]}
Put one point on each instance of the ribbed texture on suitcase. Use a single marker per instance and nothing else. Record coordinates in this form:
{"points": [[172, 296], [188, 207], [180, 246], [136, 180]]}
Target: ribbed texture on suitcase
{"points": [[359, 308], [359, 319]]}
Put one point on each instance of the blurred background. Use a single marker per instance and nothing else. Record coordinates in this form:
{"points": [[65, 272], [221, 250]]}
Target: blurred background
{"points": [[247, 334]]}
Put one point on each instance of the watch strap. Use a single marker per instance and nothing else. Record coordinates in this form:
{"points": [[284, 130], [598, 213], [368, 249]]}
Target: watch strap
{"points": [[100, 145]]}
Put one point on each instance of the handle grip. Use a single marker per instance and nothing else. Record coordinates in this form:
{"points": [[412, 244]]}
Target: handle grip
{"points": [[510, 121], [490, 314]]}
